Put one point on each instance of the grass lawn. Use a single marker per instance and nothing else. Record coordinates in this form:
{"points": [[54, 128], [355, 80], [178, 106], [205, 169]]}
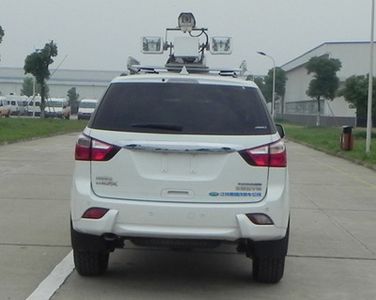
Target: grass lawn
{"points": [[328, 140], [16, 129]]}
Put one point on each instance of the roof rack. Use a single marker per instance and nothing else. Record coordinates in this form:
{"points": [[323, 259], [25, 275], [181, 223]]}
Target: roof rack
{"points": [[190, 68]]}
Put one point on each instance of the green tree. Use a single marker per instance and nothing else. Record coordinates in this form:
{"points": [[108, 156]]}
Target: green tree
{"points": [[260, 81], [1, 34], [37, 64], [27, 86], [280, 83], [325, 81], [355, 91], [73, 99]]}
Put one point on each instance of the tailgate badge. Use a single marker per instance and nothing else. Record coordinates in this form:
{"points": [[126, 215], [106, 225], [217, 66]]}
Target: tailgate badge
{"points": [[105, 180], [249, 187]]}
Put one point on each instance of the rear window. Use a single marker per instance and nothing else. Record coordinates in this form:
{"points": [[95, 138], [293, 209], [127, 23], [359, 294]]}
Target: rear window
{"points": [[182, 108], [88, 104]]}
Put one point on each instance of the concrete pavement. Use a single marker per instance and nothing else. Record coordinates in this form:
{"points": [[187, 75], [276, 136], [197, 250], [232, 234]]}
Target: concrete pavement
{"points": [[35, 179], [332, 251]]}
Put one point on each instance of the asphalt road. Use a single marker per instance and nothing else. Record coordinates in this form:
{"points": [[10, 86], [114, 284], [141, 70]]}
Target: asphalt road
{"points": [[332, 252]]}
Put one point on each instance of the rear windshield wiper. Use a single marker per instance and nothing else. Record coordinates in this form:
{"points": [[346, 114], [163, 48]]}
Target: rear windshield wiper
{"points": [[170, 127]]}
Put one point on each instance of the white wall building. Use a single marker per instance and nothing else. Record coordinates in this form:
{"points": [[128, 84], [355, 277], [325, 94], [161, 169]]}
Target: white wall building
{"points": [[89, 84], [299, 107]]}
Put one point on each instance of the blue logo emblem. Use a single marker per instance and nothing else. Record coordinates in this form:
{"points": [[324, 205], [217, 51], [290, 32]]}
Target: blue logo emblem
{"points": [[214, 194]]}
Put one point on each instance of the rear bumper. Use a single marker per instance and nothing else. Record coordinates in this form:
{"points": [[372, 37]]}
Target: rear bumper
{"points": [[84, 116], [243, 229], [227, 222]]}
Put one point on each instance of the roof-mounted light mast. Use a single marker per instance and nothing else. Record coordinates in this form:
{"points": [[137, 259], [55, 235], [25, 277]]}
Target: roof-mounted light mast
{"points": [[187, 49]]}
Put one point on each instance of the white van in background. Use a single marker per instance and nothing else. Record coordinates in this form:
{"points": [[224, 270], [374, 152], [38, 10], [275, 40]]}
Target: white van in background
{"points": [[33, 106], [17, 104], [54, 107], [86, 108]]}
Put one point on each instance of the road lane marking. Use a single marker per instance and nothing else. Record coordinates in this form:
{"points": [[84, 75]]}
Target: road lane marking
{"points": [[47, 288]]}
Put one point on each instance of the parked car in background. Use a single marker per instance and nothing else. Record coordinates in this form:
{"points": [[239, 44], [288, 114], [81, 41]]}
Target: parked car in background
{"points": [[55, 108], [17, 104], [86, 108], [4, 107], [33, 106], [22, 106]]}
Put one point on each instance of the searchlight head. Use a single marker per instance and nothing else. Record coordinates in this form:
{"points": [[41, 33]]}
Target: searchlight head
{"points": [[186, 22]]}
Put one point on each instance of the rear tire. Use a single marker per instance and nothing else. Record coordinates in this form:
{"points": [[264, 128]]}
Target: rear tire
{"points": [[90, 263], [269, 259], [268, 269]]}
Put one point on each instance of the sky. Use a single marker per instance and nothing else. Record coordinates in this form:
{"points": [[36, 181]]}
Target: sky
{"points": [[101, 34]]}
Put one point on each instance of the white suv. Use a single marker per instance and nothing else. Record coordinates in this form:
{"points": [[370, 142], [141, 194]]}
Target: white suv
{"points": [[181, 161]]}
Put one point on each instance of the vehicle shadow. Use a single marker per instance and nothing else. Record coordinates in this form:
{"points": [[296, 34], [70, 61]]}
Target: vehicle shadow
{"points": [[164, 265], [143, 273]]}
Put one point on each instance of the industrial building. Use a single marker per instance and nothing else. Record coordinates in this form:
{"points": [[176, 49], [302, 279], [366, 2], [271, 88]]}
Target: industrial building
{"points": [[298, 107], [88, 83]]}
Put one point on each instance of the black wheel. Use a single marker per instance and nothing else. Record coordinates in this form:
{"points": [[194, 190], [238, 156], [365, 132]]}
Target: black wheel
{"points": [[269, 259], [268, 269], [90, 263]]}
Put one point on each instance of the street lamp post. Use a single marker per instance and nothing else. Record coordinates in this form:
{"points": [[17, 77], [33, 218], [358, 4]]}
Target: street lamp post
{"points": [[273, 89], [34, 92], [370, 83]]}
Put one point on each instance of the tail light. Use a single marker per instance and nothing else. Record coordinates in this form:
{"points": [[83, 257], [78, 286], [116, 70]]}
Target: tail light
{"points": [[94, 150], [271, 155]]}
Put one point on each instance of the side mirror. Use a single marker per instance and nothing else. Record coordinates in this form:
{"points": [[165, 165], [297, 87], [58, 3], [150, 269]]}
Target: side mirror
{"points": [[280, 130], [221, 45], [152, 45]]}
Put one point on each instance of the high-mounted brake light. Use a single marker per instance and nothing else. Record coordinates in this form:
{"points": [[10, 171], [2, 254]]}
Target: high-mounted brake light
{"points": [[94, 150], [271, 155]]}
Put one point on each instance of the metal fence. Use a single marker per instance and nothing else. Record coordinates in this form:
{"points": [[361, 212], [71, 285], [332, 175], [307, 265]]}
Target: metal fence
{"points": [[310, 120]]}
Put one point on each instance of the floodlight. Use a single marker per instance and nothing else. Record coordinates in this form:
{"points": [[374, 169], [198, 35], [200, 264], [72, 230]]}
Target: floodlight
{"points": [[186, 22], [152, 45], [221, 45]]}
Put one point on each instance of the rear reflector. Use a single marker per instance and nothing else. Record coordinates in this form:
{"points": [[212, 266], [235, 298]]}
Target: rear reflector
{"points": [[260, 219], [271, 155], [95, 213], [94, 150]]}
